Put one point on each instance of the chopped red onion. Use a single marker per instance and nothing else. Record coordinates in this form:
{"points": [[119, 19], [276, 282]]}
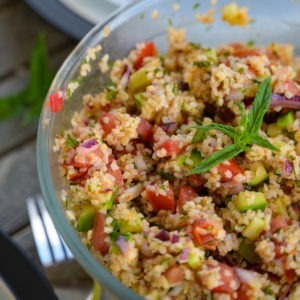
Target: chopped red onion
{"points": [[183, 257], [281, 101], [233, 187], [287, 168], [89, 143], [174, 238], [169, 127], [122, 243], [244, 276], [125, 76], [163, 236]]}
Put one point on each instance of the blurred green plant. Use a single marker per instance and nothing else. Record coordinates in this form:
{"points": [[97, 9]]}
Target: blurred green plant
{"points": [[28, 102]]}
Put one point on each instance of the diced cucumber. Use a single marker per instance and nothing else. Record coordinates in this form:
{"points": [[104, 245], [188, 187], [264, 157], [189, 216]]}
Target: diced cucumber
{"points": [[211, 54], [138, 80], [250, 200], [196, 157], [139, 100], [86, 218], [254, 228], [260, 174], [274, 130], [285, 120], [114, 249], [248, 253], [194, 260], [181, 160], [126, 227], [280, 206], [96, 293]]}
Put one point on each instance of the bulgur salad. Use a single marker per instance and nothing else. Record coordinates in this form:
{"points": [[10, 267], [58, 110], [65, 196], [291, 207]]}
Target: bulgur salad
{"points": [[183, 171]]}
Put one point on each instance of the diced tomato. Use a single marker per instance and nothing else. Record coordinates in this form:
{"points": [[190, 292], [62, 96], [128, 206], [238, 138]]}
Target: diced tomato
{"points": [[231, 166], [186, 193], [161, 201], [201, 235], [291, 87], [115, 172], [279, 222], [108, 121], [77, 164], [229, 281], [171, 147], [56, 101], [145, 130], [98, 235], [242, 292], [196, 181], [290, 275], [174, 274], [245, 52], [148, 50], [78, 177], [277, 249]]}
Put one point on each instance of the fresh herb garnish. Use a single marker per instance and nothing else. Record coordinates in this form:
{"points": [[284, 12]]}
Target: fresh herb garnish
{"points": [[244, 135], [195, 45], [196, 5], [71, 142], [115, 235], [202, 63], [111, 94], [29, 101]]}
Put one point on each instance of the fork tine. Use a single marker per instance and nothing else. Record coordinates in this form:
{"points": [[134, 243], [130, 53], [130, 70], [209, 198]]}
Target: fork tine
{"points": [[54, 238], [39, 233]]}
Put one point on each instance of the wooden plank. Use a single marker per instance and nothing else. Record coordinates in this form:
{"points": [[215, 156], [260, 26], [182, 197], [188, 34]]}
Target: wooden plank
{"points": [[18, 180], [19, 27], [13, 132]]}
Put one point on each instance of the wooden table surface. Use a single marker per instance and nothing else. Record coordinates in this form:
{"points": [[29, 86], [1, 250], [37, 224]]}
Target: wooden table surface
{"points": [[19, 27]]}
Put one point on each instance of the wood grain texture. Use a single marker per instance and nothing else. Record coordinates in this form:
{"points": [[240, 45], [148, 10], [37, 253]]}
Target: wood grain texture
{"points": [[18, 180], [19, 27]]}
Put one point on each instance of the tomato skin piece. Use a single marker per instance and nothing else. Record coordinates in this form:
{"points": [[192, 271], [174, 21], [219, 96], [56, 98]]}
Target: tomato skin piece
{"points": [[116, 173], [149, 50], [227, 276], [78, 177], [160, 202], [207, 240], [231, 166], [145, 130], [279, 222], [108, 121], [242, 292], [186, 193], [56, 101], [98, 235], [174, 274], [196, 181], [171, 147]]}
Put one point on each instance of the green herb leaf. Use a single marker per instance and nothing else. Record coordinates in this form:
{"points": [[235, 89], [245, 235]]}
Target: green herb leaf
{"points": [[71, 142], [111, 94], [202, 63], [260, 141], [228, 130], [216, 158], [115, 235], [199, 136], [244, 120], [29, 101], [259, 107]]}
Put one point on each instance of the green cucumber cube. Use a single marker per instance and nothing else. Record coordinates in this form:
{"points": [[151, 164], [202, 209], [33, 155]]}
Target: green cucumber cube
{"points": [[250, 200], [86, 218], [285, 120], [181, 160], [138, 80], [247, 251], [139, 100], [260, 174], [194, 261], [126, 227], [254, 228], [274, 130], [196, 157]]}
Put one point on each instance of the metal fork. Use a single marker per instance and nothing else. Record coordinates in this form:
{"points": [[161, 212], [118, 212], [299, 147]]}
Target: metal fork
{"points": [[50, 246]]}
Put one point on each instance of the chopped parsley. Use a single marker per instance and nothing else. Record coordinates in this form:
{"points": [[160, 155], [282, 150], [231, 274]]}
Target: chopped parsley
{"points": [[71, 142], [202, 63]]}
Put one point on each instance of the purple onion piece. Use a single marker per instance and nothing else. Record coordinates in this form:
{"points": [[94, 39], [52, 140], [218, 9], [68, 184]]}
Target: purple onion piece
{"points": [[288, 167], [169, 127], [89, 143], [122, 243], [125, 76], [282, 101], [244, 275], [174, 238], [163, 236], [183, 257]]}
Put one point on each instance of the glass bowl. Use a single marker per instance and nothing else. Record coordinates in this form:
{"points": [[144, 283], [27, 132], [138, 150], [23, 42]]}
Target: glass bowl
{"points": [[272, 21]]}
